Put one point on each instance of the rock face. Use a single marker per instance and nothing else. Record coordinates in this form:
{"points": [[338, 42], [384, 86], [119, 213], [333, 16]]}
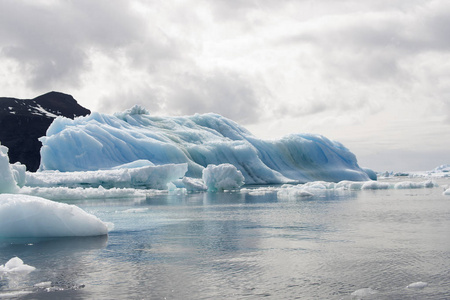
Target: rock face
{"points": [[23, 121]]}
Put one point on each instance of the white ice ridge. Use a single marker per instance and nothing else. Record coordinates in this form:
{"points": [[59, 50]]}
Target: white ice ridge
{"points": [[309, 189], [151, 177], [29, 216], [101, 141]]}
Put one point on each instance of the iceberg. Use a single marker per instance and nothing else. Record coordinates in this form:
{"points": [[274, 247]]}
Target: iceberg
{"points": [[101, 142], [222, 177], [29, 216]]}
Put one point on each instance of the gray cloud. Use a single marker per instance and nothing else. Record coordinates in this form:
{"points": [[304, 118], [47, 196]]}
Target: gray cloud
{"points": [[228, 93], [52, 42]]}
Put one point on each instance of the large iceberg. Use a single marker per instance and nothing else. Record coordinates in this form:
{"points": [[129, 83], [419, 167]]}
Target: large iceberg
{"points": [[29, 216], [101, 141]]}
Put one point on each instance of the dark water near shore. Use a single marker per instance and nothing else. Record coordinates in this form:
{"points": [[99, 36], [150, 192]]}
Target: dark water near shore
{"points": [[238, 245]]}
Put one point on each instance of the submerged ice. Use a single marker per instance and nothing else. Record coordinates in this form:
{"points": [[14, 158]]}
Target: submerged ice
{"points": [[100, 141]]}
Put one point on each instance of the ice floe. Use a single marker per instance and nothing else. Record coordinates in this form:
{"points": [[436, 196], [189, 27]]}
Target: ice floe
{"points": [[30, 216]]}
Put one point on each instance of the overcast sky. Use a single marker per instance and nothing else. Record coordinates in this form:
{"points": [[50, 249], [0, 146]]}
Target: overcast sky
{"points": [[374, 75]]}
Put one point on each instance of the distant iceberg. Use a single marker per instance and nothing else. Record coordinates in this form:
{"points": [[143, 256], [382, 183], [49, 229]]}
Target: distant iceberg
{"points": [[100, 141]]}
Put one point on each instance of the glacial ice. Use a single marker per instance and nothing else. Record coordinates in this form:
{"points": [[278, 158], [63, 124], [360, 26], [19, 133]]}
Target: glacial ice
{"points": [[222, 177], [29, 216], [61, 193], [417, 285], [100, 141], [151, 177], [16, 266], [7, 179]]}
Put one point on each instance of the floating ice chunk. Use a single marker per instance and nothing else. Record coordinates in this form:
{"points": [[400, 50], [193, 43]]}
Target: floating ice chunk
{"points": [[135, 210], [19, 172], [365, 292], [7, 182], [65, 193], [193, 184], [44, 284], [261, 191], [29, 216], [447, 192], [288, 192], [349, 185], [415, 185], [16, 266], [417, 285], [222, 177], [153, 177], [375, 185]]}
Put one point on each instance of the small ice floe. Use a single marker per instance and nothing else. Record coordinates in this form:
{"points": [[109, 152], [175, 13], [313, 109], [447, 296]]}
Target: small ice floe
{"points": [[364, 292], [16, 266], [135, 210], [447, 192], [417, 285], [375, 185], [29, 216], [45, 284]]}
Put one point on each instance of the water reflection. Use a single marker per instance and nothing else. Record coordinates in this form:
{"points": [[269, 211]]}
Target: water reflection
{"points": [[252, 245], [60, 262]]}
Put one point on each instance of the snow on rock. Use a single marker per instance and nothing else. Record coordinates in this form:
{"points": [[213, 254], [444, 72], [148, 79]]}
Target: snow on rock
{"points": [[16, 266], [29, 216], [152, 177], [222, 177], [100, 141], [7, 181], [417, 285]]}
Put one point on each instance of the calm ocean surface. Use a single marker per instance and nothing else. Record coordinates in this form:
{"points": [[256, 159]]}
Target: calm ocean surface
{"points": [[244, 246]]}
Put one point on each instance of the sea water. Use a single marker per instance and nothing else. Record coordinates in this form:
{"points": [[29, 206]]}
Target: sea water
{"points": [[368, 244]]}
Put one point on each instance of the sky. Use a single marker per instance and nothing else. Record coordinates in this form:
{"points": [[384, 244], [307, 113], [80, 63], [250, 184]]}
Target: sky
{"points": [[373, 75]]}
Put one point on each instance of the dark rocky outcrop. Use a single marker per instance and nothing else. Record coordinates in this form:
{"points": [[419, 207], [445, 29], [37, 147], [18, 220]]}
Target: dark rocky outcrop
{"points": [[23, 121]]}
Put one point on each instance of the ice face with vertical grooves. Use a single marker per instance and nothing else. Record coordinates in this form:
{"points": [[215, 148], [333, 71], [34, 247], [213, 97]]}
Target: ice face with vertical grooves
{"points": [[101, 141]]}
